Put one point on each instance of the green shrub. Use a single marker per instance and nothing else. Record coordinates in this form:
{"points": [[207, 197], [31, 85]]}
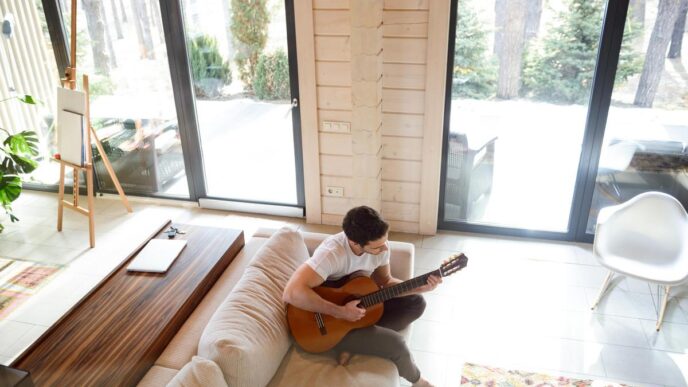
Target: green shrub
{"points": [[249, 28], [474, 75], [561, 67], [210, 71], [271, 80], [101, 85]]}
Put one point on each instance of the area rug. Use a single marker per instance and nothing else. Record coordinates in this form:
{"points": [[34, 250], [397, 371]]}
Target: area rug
{"points": [[19, 280], [479, 375]]}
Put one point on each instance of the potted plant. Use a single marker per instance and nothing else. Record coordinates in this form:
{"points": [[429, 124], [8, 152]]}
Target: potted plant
{"points": [[18, 156]]}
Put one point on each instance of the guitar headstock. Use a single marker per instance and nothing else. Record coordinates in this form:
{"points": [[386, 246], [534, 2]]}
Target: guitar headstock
{"points": [[455, 263]]}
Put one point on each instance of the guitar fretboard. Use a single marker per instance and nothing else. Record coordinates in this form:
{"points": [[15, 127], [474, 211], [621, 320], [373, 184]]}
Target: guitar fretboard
{"points": [[385, 294]]}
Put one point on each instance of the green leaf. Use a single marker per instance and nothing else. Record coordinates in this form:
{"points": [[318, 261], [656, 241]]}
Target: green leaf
{"points": [[28, 99], [10, 189]]}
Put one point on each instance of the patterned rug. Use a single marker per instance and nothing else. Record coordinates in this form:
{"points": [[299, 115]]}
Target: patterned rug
{"points": [[19, 280], [479, 375]]}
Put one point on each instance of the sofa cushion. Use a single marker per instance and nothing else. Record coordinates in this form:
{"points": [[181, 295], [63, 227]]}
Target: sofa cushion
{"points": [[248, 335], [300, 368], [199, 372]]}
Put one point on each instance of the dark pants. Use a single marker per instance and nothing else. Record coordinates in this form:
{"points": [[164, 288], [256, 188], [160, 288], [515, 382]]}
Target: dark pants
{"points": [[383, 339]]}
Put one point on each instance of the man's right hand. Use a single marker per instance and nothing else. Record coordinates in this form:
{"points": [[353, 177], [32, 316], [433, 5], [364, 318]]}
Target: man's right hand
{"points": [[351, 311]]}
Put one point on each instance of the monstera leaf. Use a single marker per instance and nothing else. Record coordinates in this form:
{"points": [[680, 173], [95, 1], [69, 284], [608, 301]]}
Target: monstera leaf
{"points": [[21, 150], [19, 155]]}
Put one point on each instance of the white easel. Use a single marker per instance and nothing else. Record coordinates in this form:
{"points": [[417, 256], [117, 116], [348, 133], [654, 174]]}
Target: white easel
{"points": [[70, 82]]}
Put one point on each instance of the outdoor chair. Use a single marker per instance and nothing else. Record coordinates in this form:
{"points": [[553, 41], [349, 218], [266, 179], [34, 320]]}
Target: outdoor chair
{"points": [[644, 238]]}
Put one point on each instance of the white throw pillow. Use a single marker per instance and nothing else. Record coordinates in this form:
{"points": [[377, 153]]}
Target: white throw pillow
{"points": [[199, 372], [248, 335]]}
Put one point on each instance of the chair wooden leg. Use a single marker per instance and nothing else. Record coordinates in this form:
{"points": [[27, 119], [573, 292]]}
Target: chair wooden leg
{"points": [[605, 284], [663, 309]]}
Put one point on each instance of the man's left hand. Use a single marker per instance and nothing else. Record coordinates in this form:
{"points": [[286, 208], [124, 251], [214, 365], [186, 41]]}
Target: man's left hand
{"points": [[433, 281]]}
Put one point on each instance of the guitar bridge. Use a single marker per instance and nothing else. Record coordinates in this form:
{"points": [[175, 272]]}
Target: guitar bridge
{"points": [[321, 324]]}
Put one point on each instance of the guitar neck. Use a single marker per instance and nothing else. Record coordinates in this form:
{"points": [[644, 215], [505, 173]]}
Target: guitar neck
{"points": [[385, 294]]}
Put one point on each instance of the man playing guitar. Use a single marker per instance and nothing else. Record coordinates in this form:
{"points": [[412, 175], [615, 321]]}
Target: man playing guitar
{"points": [[362, 249]]}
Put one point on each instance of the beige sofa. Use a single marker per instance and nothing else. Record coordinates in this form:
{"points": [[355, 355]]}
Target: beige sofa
{"points": [[202, 334]]}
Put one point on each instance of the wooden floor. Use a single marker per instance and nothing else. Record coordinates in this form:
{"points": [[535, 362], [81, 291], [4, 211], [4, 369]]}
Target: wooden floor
{"points": [[114, 336]]}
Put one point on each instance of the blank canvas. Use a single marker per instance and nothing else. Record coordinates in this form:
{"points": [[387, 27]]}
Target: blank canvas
{"points": [[71, 126]]}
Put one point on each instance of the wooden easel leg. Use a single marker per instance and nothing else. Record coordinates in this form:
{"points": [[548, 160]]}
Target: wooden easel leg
{"points": [[111, 172], [60, 198], [91, 216], [75, 190]]}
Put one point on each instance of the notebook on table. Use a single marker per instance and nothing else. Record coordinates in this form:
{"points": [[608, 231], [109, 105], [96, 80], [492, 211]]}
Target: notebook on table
{"points": [[157, 255]]}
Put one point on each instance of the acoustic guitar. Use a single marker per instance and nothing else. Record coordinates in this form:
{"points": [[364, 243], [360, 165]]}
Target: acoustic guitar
{"points": [[316, 332]]}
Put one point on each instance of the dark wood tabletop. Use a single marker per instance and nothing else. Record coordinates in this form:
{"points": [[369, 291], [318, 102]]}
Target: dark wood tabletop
{"points": [[117, 332]]}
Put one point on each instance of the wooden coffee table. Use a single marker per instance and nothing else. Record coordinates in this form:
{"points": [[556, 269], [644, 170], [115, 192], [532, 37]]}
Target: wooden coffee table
{"points": [[115, 334]]}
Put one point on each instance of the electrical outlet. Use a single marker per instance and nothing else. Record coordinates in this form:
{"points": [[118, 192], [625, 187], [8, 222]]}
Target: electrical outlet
{"points": [[334, 191], [336, 127]]}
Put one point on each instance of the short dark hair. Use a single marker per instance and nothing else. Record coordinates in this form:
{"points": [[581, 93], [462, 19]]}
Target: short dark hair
{"points": [[363, 224]]}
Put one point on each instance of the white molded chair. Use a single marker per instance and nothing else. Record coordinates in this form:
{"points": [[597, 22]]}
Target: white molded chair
{"points": [[645, 238]]}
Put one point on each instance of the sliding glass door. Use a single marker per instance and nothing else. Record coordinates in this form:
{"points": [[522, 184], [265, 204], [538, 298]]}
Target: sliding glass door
{"points": [[557, 109], [519, 96], [645, 144], [245, 93]]}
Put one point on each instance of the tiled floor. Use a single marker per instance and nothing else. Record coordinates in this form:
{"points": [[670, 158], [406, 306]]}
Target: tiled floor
{"points": [[520, 303]]}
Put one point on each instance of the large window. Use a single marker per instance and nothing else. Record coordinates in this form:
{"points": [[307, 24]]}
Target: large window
{"points": [[645, 145], [521, 85], [239, 57], [28, 67], [529, 112], [121, 46]]}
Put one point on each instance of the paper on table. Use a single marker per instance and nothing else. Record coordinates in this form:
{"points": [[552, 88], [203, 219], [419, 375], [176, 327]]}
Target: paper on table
{"points": [[157, 255]]}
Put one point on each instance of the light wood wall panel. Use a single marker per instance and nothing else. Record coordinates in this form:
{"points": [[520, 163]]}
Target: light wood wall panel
{"points": [[402, 148], [403, 76], [401, 170], [401, 192], [333, 73], [332, 48], [332, 22], [336, 206], [405, 212], [331, 4], [404, 50], [334, 98], [403, 125], [407, 4], [405, 24], [403, 101], [336, 166], [407, 227], [332, 219], [335, 144]]}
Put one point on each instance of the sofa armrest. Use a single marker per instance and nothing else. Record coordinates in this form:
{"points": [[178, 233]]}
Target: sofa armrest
{"points": [[401, 259]]}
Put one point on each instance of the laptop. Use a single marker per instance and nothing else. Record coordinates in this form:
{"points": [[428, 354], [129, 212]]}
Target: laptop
{"points": [[157, 255]]}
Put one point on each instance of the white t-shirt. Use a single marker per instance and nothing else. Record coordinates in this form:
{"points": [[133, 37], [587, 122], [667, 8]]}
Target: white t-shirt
{"points": [[334, 259]]}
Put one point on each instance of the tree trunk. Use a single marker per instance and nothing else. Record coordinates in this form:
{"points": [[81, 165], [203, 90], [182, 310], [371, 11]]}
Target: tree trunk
{"points": [[679, 28], [533, 14], [124, 11], [96, 31], [108, 38], [157, 20], [637, 8], [510, 53], [142, 22], [228, 29], [656, 53], [500, 23], [118, 25]]}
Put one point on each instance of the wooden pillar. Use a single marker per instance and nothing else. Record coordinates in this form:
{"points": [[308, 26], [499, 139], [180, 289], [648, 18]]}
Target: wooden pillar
{"points": [[366, 90]]}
